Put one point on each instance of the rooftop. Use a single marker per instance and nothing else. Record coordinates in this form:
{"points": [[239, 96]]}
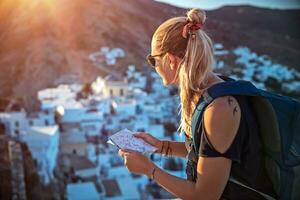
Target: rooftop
{"points": [[73, 137], [111, 188], [82, 191], [80, 162], [45, 130], [111, 77]]}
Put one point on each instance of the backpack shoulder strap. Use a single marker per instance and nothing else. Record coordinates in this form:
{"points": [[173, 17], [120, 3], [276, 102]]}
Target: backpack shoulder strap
{"points": [[266, 196], [229, 87], [240, 87]]}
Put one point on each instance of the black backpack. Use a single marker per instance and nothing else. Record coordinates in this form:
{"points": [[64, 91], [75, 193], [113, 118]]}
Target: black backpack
{"points": [[278, 120]]}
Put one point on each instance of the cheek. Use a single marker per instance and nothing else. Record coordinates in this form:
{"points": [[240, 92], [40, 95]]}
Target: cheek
{"points": [[161, 74]]}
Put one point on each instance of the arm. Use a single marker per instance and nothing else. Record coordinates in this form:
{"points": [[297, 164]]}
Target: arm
{"points": [[177, 149], [221, 122], [212, 175]]}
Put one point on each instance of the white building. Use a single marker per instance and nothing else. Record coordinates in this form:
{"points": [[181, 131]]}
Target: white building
{"points": [[142, 123], [88, 120], [82, 191], [84, 114], [92, 121], [156, 130], [63, 95], [43, 142], [123, 187], [107, 55], [73, 142], [104, 105], [137, 80], [128, 188], [152, 109], [83, 167], [43, 118], [15, 123], [125, 106], [114, 86]]}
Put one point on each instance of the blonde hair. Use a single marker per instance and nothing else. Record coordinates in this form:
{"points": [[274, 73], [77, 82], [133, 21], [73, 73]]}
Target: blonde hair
{"points": [[197, 59]]}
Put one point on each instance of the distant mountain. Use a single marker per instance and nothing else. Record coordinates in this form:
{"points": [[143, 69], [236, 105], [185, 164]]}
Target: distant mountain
{"points": [[44, 42], [283, 22], [272, 32]]}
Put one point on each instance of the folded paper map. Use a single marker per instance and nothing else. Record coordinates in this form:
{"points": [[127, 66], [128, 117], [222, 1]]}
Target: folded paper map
{"points": [[124, 139]]}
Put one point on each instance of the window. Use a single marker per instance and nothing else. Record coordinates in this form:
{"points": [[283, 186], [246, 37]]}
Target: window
{"points": [[46, 111], [17, 132], [74, 151], [40, 166], [35, 163], [2, 128], [89, 128]]}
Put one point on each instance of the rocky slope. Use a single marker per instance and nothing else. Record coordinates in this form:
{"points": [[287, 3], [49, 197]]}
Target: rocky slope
{"points": [[47, 42]]}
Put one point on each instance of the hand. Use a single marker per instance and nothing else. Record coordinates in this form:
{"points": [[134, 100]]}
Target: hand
{"points": [[150, 139], [136, 162]]}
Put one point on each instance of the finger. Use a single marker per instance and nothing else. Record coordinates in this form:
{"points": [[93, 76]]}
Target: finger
{"points": [[141, 135], [121, 152], [125, 152], [139, 132], [128, 151]]}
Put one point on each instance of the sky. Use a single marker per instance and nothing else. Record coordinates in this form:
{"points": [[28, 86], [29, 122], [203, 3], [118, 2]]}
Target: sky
{"points": [[214, 4]]}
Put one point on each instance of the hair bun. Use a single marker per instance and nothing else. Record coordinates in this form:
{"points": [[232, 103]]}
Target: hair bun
{"points": [[196, 15]]}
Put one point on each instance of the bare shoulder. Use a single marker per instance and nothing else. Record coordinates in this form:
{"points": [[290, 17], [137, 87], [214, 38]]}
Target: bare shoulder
{"points": [[221, 122]]}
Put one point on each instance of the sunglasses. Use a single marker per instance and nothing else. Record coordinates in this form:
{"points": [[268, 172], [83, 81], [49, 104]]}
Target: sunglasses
{"points": [[151, 59]]}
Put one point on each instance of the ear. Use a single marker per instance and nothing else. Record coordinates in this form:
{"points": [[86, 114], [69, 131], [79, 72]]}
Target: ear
{"points": [[173, 61]]}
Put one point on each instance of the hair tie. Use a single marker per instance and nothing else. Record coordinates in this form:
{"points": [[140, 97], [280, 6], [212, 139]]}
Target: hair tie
{"points": [[190, 28]]}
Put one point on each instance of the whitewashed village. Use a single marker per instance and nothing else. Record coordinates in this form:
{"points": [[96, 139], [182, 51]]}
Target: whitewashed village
{"points": [[67, 138]]}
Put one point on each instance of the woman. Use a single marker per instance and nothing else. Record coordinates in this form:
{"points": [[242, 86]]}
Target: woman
{"points": [[182, 54]]}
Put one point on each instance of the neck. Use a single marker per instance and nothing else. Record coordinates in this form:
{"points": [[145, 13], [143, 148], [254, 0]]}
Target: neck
{"points": [[213, 79], [175, 80]]}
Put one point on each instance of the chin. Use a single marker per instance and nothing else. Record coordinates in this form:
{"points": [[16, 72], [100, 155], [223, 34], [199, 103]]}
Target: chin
{"points": [[169, 83], [166, 83]]}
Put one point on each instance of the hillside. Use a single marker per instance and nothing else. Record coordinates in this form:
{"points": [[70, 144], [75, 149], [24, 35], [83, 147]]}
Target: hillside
{"points": [[44, 43]]}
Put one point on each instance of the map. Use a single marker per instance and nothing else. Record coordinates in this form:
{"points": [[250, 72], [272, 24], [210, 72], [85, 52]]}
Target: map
{"points": [[124, 139]]}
